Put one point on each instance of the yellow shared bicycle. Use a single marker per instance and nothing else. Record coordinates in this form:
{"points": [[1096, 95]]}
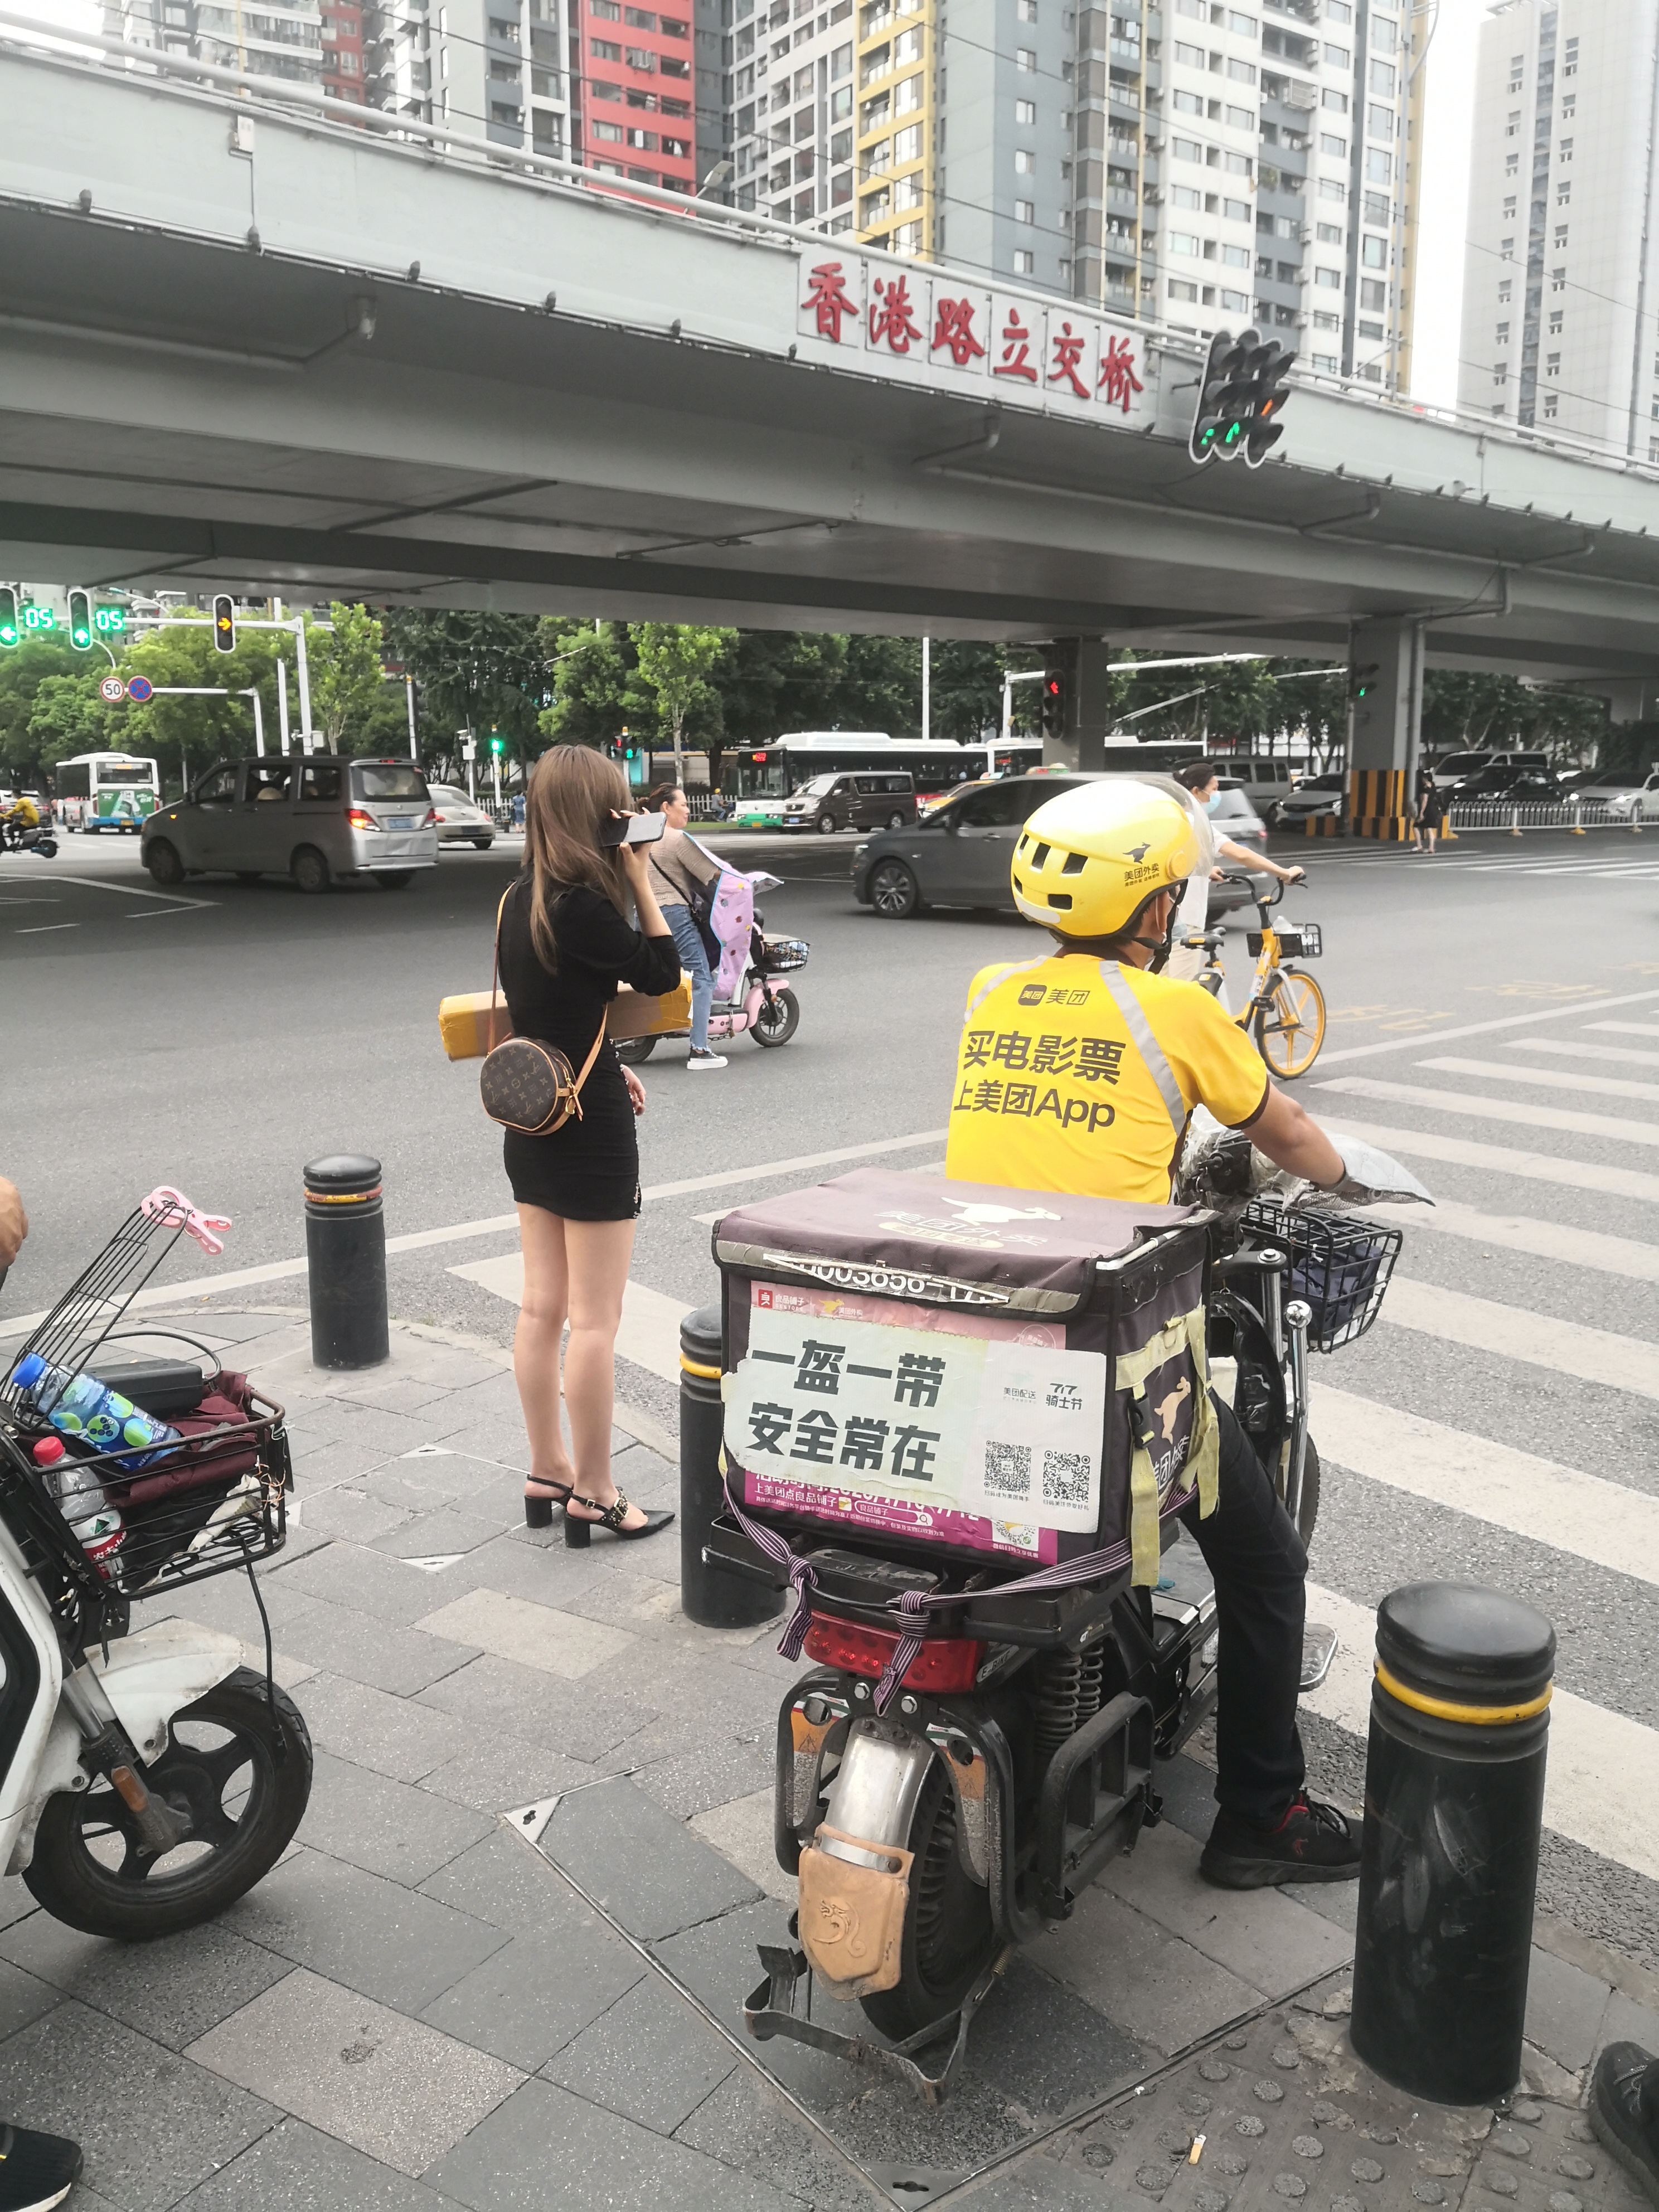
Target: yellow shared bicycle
{"points": [[1285, 1015]]}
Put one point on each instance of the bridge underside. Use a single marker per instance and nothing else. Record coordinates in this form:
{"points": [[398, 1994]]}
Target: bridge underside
{"points": [[181, 412]]}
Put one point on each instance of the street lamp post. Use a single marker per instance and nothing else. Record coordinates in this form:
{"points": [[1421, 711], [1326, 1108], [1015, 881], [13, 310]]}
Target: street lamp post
{"points": [[258, 720], [281, 705]]}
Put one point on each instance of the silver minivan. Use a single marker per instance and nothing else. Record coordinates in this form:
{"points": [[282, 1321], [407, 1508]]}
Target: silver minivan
{"points": [[320, 820]]}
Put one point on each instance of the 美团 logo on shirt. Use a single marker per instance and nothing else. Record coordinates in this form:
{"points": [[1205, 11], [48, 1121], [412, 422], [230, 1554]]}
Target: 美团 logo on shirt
{"points": [[1033, 994]]}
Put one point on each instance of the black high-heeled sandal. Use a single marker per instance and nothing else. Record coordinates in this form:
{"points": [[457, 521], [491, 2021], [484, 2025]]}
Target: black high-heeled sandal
{"points": [[539, 1512], [578, 1533]]}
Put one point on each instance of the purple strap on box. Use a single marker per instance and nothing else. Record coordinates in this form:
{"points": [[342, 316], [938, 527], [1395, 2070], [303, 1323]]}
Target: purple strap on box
{"points": [[1091, 1567]]}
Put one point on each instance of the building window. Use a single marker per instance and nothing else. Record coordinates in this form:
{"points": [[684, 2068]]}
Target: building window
{"points": [[1550, 399], [1329, 234], [1372, 294], [1331, 188], [1179, 289], [1024, 211], [1336, 101], [1381, 76], [1238, 303], [1564, 151], [1502, 334], [1504, 291], [1558, 280], [1379, 165], [1512, 128], [1337, 58], [1186, 150], [1555, 322], [1024, 163], [1025, 59], [1188, 103], [1329, 279], [1379, 123], [906, 144], [1191, 57], [1025, 111], [1329, 363], [1552, 364], [1328, 144], [1237, 165], [1240, 119], [1375, 253], [841, 63], [1569, 59], [1027, 11], [1500, 370], [1563, 195], [1241, 72], [1560, 236], [1024, 263], [1323, 321], [604, 50]]}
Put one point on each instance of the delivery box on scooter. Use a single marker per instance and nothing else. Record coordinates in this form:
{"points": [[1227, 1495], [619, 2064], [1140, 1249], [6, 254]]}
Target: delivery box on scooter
{"points": [[1009, 1377]]}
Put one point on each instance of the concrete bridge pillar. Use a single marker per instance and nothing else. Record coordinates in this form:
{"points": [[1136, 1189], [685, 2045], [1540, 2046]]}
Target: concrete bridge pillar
{"points": [[1088, 704], [1385, 731]]}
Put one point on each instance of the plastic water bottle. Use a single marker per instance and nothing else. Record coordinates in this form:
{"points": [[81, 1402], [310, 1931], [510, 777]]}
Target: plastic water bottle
{"points": [[81, 1406], [94, 1522]]}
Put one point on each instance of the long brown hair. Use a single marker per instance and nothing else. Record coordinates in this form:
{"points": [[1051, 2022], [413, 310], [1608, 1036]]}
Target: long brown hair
{"points": [[572, 792]]}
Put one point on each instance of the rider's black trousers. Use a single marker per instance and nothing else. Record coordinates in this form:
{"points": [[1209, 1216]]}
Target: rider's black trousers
{"points": [[1256, 1559]]}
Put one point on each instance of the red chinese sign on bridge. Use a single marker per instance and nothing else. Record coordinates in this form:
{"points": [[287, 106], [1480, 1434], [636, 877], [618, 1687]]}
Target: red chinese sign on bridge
{"points": [[930, 327]]}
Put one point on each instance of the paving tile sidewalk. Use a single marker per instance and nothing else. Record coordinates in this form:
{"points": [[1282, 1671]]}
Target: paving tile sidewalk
{"points": [[428, 2006]]}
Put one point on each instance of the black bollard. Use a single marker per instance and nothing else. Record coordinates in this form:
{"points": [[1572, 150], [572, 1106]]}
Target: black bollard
{"points": [[345, 1251], [1449, 1862], [708, 1595]]}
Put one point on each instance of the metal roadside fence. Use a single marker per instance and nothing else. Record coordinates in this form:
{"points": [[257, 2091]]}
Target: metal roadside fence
{"points": [[1515, 817]]}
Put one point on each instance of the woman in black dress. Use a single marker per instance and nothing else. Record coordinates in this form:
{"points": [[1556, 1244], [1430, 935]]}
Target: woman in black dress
{"points": [[565, 943]]}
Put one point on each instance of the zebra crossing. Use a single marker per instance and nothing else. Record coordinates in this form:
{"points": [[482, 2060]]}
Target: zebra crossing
{"points": [[1442, 1405], [1540, 867]]}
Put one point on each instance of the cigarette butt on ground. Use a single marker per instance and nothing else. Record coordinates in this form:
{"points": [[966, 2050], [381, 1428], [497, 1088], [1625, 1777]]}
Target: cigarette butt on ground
{"points": [[1196, 2152]]}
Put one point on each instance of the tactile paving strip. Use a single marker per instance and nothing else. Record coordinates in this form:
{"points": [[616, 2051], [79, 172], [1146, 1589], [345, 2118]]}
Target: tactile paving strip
{"points": [[1288, 2119]]}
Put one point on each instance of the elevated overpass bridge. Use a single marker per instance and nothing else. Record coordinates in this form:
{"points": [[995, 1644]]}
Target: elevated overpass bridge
{"points": [[271, 348]]}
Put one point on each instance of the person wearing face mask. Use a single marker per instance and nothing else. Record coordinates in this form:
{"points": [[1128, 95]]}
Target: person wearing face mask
{"points": [[1201, 783]]}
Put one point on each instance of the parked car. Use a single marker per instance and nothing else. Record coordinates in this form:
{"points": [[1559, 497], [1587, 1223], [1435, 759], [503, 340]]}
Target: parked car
{"points": [[1314, 795], [1640, 801], [318, 820], [1453, 773], [1266, 780], [1508, 778], [1619, 790], [867, 800], [460, 820], [960, 854]]}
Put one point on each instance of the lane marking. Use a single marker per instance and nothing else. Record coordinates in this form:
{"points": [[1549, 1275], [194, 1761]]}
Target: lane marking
{"points": [[132, 891], [1603, 1782], [1545, 1078], [1557, 1506], [1498, 1159], [1496, 1109], [1522, 1232], [650, 1331], [1565, 1347], [1503, 1022], [1623, 1054], [924, 1167], [1626, 1029], [793, 1166], [45, 928]]}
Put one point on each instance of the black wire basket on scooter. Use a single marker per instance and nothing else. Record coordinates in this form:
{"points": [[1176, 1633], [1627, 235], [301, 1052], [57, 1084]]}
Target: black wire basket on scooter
{"points": [[1339, 1263], [173, 1512]]}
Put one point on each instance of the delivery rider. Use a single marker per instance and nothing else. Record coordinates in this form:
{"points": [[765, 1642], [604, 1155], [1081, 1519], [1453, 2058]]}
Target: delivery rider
{"points": [[23, 814], [1077, 1072]]}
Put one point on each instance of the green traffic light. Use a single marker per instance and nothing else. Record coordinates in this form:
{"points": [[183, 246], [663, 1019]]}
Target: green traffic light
{"points": [[80, 621], [10, 634]]}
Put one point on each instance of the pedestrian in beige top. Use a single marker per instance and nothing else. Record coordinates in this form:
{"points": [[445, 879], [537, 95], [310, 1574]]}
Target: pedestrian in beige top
{"points": [[680, 866]]}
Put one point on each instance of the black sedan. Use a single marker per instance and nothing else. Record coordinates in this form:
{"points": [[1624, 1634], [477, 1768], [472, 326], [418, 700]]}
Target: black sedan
{"points": [[961, 853]]}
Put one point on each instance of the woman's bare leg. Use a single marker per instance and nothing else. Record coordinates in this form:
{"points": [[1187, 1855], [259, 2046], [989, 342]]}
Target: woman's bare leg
{"points": [[535, 1344], [599, 1253]]}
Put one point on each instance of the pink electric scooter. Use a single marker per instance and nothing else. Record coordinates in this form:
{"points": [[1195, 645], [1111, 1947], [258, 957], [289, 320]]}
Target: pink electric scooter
{"points": [[746, 993]]}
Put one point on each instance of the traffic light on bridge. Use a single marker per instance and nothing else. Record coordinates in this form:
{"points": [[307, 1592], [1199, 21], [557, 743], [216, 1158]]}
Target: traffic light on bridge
{"points": [[1242, 393], [224, 624], [1361, 676], [80, 621], [497, 743], [9, 633], [1053, 709]]}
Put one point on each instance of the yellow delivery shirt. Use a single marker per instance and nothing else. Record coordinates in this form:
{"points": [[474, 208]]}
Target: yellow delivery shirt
{"points": [[1078, 1074]]}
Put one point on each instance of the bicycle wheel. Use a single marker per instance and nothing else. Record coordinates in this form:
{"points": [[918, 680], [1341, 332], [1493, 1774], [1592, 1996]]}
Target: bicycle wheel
{"points": [[1291, 1027]]}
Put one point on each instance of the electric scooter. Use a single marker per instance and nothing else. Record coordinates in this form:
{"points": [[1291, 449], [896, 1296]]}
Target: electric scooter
{"points": [[148, 1778], [747, 995]]}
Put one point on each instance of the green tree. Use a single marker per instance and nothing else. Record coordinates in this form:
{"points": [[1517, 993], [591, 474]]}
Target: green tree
{"points": [[23, 670], [69, 717], [597, 691], [344, 672], [476, 671], [185, 734], [675, 662]]}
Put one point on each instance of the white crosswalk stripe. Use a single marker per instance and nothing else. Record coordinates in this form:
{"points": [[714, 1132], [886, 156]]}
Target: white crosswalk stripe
{"points": [[1620, 1055], [1495, 1109], [1596, 1502], [1546, 1078]]}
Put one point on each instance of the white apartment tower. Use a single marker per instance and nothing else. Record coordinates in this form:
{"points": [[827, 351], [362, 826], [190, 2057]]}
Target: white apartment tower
{"points": [[1561, 286]]}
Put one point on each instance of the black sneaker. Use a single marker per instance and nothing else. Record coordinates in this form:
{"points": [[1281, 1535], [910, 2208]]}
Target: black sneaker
{"points": [[1624, 2111], [1312, 1843], [36, 2171]]}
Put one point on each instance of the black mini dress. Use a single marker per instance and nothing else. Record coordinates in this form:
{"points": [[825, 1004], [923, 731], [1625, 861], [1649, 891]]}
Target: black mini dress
{"points": [[588, 1170]]}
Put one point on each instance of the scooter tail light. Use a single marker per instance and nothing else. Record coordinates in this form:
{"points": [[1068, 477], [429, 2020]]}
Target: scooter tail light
{"points": [[360, 819], [944, 1662]]}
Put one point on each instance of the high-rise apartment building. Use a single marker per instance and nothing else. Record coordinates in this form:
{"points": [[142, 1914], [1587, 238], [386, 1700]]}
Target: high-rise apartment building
{"points": [[1561, 283], [1203, 164], [633, 109], [262, 38], [342, 49]]}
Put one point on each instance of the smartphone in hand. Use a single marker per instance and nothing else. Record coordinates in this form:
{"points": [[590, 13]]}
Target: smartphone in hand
{"points": [[633, 829]]}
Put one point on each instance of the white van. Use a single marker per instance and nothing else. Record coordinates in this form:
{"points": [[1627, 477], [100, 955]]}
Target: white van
{"points": [[1265, 780]]}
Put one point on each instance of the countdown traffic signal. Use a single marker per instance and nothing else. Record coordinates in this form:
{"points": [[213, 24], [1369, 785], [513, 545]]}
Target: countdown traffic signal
{"points": [[80, 621], [224, 624], [9, 633]]}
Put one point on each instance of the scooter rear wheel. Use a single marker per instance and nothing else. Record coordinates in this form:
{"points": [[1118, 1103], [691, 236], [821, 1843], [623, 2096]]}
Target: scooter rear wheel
{"points": [[948, 1940], [242, 1780]]}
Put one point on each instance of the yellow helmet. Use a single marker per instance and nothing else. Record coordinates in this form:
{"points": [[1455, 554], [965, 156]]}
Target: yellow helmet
{"points": [[1089, 858]]}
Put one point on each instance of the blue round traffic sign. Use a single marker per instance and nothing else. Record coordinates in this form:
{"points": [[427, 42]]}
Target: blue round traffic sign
{"points": [[139, 688]]}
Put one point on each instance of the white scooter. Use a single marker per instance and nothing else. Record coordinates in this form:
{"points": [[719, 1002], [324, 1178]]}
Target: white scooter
{"points": [[147, 1779]]}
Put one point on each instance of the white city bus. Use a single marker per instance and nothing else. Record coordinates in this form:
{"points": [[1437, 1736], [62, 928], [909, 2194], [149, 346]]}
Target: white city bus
{"points": [[759, 778], [95, 792]]}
